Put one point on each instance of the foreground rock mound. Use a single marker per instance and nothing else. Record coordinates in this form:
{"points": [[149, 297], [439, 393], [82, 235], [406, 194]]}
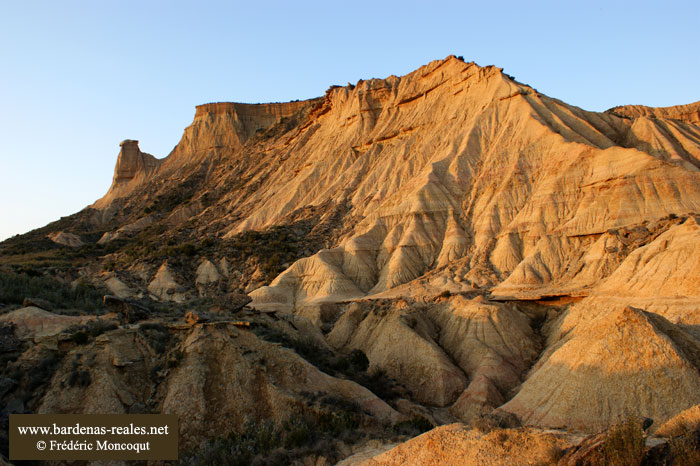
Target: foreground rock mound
{"points": [[215, 377], [229, 377], [457, 445]]}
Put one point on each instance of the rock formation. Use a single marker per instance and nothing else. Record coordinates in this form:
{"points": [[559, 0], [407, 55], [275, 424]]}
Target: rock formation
{"points": [[133, 167], [66, 239], [489, 249], [217, 384], [165, 287], [610, 365]]}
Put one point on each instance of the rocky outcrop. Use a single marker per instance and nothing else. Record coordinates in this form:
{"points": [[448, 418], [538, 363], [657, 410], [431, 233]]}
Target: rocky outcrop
{"points": [[406, 198], [228, 377], [129, 311], [682, 423], [492, 343], [126, 230], [117, 287], [231, 124], [217, 127], [66, 239], [668, 266], [132, 163], [38, 302], [468, 353], [207, 273], [215, 377], [133, 168]]}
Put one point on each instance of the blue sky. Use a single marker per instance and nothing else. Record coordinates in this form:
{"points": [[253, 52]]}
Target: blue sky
{"points": [[77, 77]]}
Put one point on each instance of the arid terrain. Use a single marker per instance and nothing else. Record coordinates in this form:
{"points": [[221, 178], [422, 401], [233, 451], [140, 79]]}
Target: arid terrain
{"points": [[318, 282]]}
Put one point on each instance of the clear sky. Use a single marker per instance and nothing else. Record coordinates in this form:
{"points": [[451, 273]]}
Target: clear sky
{"points": [[78, 77]]}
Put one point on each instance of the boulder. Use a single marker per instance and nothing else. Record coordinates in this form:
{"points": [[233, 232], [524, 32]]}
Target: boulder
{"points": [[165, 287], [66, 239], [38, 302], [32, 322], [130, 311], [207, 273]]}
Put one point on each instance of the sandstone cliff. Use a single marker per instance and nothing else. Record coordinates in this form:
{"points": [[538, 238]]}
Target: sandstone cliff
{"points": [[490, 249], [133, 168]]}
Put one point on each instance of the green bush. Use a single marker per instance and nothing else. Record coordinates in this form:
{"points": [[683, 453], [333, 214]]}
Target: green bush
{"points": [[14, 287], [311, 431], [81, 334], [414, 426], [157, 336]]}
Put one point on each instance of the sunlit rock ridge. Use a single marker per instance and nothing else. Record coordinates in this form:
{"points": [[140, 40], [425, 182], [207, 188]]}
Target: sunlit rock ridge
{"points": [[490, 248]]}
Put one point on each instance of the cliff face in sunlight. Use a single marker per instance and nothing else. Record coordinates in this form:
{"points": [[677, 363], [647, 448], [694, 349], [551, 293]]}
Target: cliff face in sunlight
{"points": [[492, 250]]}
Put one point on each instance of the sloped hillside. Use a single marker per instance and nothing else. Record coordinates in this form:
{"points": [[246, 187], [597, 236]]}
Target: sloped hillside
{"points": [[481, 250]]}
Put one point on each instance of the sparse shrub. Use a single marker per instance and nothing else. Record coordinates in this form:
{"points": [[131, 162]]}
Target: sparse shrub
{"points": [[358, 360], [175, 359], [9, 343], [157, 336], [311, 431], [624, 445], [81, 334], [298, 432], [98, 326], [188, 249], [80, 378], [80, 337], [14, 287], [414, 426], [40, 375], [379, 384], [156, 373]]}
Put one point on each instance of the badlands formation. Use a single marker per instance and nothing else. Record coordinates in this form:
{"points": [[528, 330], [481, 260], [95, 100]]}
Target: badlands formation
{"points": [[493, 252]]}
